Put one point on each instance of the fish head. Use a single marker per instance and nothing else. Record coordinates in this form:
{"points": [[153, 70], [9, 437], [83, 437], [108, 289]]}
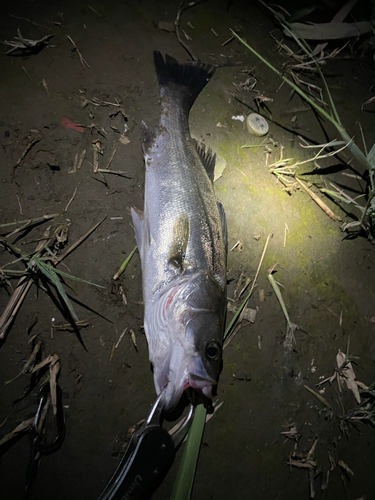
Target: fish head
{"points": [[205, 327], [186, 350]]}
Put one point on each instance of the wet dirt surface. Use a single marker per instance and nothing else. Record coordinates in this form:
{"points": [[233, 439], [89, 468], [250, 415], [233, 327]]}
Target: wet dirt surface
{"points": [[328, 280]]}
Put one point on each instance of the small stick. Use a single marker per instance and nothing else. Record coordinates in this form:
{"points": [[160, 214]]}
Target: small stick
{"points": [[73, 169], [177, 27], [318, 396], [319, 202], [28, 147], [286, 228], [67, 327], [27, 73], [120, 337], [124, 264], [83, 154], [112, 351], [45, 86], [116, 172], [19, 204], [247, 283], [96, 158], [353, 176], [237, 244], [71, 199], [227, 41], [77, 243], [123, 296], [95, 11], [83, 62], [112, 156], [32, 22]]}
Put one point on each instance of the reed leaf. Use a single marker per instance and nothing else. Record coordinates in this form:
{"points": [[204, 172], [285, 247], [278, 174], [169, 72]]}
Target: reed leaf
{"points": [[186, 473], [51, 275]]}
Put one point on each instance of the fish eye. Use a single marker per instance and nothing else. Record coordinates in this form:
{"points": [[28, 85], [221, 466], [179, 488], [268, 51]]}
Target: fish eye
{"points": [[213, 351]]}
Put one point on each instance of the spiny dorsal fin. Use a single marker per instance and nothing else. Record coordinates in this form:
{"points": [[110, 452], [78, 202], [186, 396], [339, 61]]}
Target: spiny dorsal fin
{"points": [[207, 157], [180, 238]]}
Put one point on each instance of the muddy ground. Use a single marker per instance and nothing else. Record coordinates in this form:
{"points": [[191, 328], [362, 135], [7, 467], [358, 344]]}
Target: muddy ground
{"points": [[328, 278]]}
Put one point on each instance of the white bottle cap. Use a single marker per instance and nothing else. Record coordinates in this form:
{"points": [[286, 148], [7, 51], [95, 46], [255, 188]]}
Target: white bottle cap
{"points": [[256, 124]]}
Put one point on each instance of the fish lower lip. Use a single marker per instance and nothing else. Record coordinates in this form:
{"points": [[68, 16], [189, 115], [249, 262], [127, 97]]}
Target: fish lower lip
{"points": [[202, 385]]}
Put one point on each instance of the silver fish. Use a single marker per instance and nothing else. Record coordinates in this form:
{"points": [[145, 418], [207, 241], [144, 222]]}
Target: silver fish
{"points": [[180, 236]]}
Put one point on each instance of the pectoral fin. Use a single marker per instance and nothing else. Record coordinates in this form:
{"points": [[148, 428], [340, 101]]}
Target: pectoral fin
{"points": [[138, 221], [180, 238]]}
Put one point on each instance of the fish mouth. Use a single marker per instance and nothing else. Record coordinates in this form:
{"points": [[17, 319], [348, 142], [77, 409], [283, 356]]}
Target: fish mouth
{"points": [[194, 383], [202, 385], [193, 375]]}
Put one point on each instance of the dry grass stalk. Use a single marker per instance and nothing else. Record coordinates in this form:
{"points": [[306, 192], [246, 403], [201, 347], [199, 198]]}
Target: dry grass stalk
{"points": [[28, 147], [14, 304], [322, 400], [67, 327], [116, 172], [112, 156], [23, 426], [20, 292], [54, 367], [120, 337], [29, 362], [319, 202], [19, 204], [77, 243], [177, 28], [71, 199], [83, 62]]}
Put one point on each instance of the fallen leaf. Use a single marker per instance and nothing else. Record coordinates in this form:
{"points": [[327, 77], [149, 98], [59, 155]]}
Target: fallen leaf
{"points": [[124, 140], [346, 375]]}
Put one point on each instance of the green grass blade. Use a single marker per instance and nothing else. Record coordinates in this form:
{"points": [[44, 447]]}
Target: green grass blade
{"points": [[51, 275], [235, 317], [71, 277], [186, 473], [341, 198], [125, 263], [29, 222]]}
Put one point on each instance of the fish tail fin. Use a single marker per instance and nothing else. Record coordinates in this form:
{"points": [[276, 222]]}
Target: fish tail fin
{"points": [[185, 79]]}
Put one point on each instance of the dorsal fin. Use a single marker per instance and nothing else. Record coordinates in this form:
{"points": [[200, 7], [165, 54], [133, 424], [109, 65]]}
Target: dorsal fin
{"points": [[207, 157]]}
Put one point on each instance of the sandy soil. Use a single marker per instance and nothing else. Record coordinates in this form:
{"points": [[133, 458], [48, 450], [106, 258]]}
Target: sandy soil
{"points": [[327, 278]]}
